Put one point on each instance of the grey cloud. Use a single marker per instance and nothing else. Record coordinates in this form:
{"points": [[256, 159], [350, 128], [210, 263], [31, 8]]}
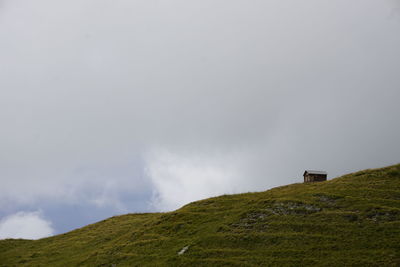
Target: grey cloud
{"points": [[95, 94]]}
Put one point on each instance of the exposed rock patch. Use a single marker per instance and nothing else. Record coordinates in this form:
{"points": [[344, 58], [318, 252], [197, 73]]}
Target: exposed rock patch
{"points": [[292, 208], [328, 200], [183, 250], [381, 215]]}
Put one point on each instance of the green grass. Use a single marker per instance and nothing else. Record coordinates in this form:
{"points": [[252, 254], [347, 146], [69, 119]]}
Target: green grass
{"points": [[353, 220]]}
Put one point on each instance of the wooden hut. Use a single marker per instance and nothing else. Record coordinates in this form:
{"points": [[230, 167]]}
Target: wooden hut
{"points": [[314, 176]]}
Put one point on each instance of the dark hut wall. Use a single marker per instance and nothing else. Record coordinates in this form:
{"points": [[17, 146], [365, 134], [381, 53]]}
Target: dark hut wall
{"points": [[314, 177]]}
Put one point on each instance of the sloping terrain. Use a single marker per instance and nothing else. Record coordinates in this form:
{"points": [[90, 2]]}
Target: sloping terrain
{"points": [[351, 220]]}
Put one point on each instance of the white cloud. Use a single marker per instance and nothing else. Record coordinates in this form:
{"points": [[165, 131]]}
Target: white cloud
{"points": [[183, 177], [27, 225]]}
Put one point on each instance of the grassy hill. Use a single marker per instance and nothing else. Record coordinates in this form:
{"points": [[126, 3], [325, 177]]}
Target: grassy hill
{"points": [[351, 220]]}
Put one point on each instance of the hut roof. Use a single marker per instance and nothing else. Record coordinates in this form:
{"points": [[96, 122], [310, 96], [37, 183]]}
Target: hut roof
{"points": [[315, 172]]}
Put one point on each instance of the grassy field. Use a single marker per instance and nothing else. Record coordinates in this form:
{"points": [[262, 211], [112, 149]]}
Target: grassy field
{"points": [[352, 220]]}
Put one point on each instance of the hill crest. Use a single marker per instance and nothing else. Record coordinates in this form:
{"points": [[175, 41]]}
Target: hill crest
{"points": [[350, 220]]}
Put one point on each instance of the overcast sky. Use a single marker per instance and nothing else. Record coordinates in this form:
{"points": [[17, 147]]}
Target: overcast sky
{"points": [[109, 107]]}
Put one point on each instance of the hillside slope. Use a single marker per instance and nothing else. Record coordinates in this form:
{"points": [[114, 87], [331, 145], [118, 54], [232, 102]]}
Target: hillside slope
{"points": [[351, 220]]}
